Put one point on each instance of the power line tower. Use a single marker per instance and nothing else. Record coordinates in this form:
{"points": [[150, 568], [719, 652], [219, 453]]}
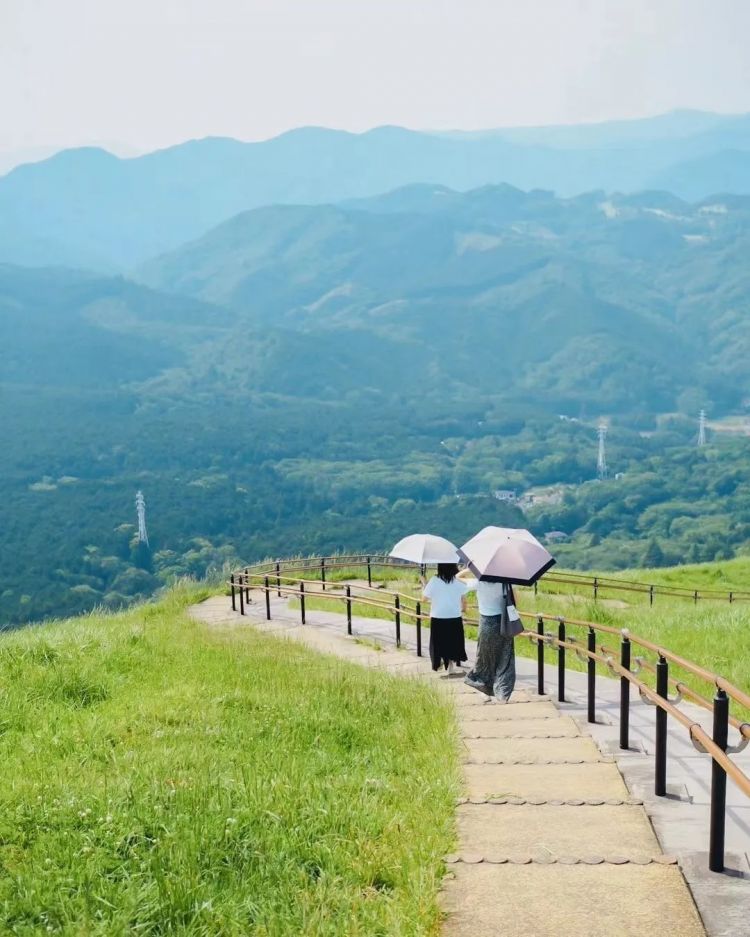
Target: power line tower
{"points": [[601, 461], [702, 429], [140, 506]]}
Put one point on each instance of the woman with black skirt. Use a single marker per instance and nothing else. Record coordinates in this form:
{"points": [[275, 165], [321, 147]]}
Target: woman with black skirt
{"points": [[446, 592]]}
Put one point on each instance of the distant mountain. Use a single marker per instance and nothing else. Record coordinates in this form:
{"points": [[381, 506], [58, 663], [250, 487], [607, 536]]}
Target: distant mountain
{"points": [[335, 375], [603, 300], [727, 171], [91, 209]]}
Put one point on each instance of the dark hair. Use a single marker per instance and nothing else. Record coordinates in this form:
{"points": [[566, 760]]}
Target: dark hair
{"points": [[447, 571]]}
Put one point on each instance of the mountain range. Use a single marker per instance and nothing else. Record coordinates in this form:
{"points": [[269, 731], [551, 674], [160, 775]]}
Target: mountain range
{"points": [[89, 208], [326, 375]]}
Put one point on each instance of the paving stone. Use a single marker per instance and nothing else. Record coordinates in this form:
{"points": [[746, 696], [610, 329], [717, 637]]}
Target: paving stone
{"points": [[514, 712], [567, 781], [558, 830], [536, 900], [477, 723], [512, 749]]}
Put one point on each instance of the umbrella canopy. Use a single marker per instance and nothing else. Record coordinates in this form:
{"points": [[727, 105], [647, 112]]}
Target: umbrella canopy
{"points": [[425, 548], [506, 554]]}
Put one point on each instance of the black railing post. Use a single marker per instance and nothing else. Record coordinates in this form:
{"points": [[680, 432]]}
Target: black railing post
{"points": [[419, 629], [234, 598], [650, 595], [536, 587], [662, 689], [540, 656], [247, 584], [596, 588], [242, 596], [323, 572], [591, 673], [397, 613], [561, 661], [278, 579], [730, 598], [267, 590], [302, 601], [695, 597], [719, 784], [369, 572], [348, 609], [625, 692]]}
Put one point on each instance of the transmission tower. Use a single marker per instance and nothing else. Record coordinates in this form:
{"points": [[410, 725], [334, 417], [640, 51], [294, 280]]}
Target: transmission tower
{"points": [[702, 429], [601, 461], [140, 506]]}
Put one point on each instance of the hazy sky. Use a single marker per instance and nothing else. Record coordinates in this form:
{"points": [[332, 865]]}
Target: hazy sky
{"points": [[148, 73]]}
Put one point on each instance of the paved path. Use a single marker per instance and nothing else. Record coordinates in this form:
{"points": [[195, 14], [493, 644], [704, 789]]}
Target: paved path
{"points": [[551, 840]]}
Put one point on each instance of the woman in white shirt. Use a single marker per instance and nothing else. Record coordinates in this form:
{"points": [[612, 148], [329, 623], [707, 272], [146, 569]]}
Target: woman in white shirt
{"points": [[446, 593], [494, 672]]}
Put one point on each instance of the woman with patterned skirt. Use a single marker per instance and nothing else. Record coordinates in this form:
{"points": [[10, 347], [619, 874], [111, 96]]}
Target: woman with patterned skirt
{"points": [[494, 672]]}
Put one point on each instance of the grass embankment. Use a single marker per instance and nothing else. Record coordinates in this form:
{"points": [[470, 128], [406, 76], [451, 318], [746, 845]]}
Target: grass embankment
{"points": [[157, 776]]}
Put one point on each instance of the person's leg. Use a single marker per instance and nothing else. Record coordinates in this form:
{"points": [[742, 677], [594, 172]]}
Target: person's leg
{"points": [[482, 674], [435, 657], [505, 674], [460, 646]]}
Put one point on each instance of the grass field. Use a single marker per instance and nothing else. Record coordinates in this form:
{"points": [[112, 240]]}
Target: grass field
{"points": [[159, 777]]}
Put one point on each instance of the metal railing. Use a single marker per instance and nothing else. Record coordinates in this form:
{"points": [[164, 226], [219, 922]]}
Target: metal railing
{"points": [[282, 578], [597, 584]]}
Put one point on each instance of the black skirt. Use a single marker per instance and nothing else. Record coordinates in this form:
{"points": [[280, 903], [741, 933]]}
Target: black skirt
{"points": [[446, 641]]}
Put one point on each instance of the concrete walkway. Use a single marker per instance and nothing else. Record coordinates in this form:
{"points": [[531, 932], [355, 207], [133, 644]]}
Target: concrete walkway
{"points": [[551, 840]]}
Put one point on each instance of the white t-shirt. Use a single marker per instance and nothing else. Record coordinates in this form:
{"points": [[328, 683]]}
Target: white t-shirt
{"points": [[490, 597], [445, 597]]}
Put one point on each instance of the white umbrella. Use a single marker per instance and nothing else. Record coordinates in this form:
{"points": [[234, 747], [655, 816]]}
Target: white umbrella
{"points": [[425, 548], [506, 554]]}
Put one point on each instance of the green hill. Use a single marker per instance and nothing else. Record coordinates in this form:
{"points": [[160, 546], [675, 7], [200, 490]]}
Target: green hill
{"points": [[330, 376], [161, 777]]}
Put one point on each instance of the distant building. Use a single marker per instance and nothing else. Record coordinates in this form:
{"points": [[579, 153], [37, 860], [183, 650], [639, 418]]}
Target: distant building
{"points": [[504, 494], [555, 536]]}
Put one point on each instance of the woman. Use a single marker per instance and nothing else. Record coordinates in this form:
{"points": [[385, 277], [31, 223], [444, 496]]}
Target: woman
{"points": [[446, 594], [494, 672]]}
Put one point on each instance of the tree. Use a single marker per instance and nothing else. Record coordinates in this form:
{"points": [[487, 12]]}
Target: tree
{"points": [[653, 555]]}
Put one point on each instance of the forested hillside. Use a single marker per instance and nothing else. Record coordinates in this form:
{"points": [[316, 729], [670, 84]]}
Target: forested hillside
{"points": [[332, 377]]}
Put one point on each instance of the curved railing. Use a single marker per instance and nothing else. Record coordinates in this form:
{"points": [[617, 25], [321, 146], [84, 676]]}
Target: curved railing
{"points": [[597, 584], [285, 578]]}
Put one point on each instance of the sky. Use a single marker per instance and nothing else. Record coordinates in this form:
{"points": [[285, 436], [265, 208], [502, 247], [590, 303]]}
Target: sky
{"points": [[142, 74]]}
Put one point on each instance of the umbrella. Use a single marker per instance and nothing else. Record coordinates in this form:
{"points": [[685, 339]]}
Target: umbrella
{"points": [[425, 548], [505, 554]]}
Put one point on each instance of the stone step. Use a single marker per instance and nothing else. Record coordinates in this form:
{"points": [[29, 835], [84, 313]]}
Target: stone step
{"points": [[514, 711], [547, 782], [491, 829], [540, 750], [538, 900], [490, 728]]}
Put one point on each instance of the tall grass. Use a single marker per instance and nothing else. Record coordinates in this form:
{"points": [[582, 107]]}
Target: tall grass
{"points": [[158, 777]]}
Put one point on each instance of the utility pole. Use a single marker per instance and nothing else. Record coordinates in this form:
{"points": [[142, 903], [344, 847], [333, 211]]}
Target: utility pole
{"points": [[601, 461], [702, 429], [140, 506]]}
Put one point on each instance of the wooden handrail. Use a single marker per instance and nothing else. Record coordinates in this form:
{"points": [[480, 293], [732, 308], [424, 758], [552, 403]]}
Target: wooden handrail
{"points": [[604, 582], [310, 563]]}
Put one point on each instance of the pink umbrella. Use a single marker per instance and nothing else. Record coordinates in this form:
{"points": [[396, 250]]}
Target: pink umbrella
{"points": [[506, 554]]}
